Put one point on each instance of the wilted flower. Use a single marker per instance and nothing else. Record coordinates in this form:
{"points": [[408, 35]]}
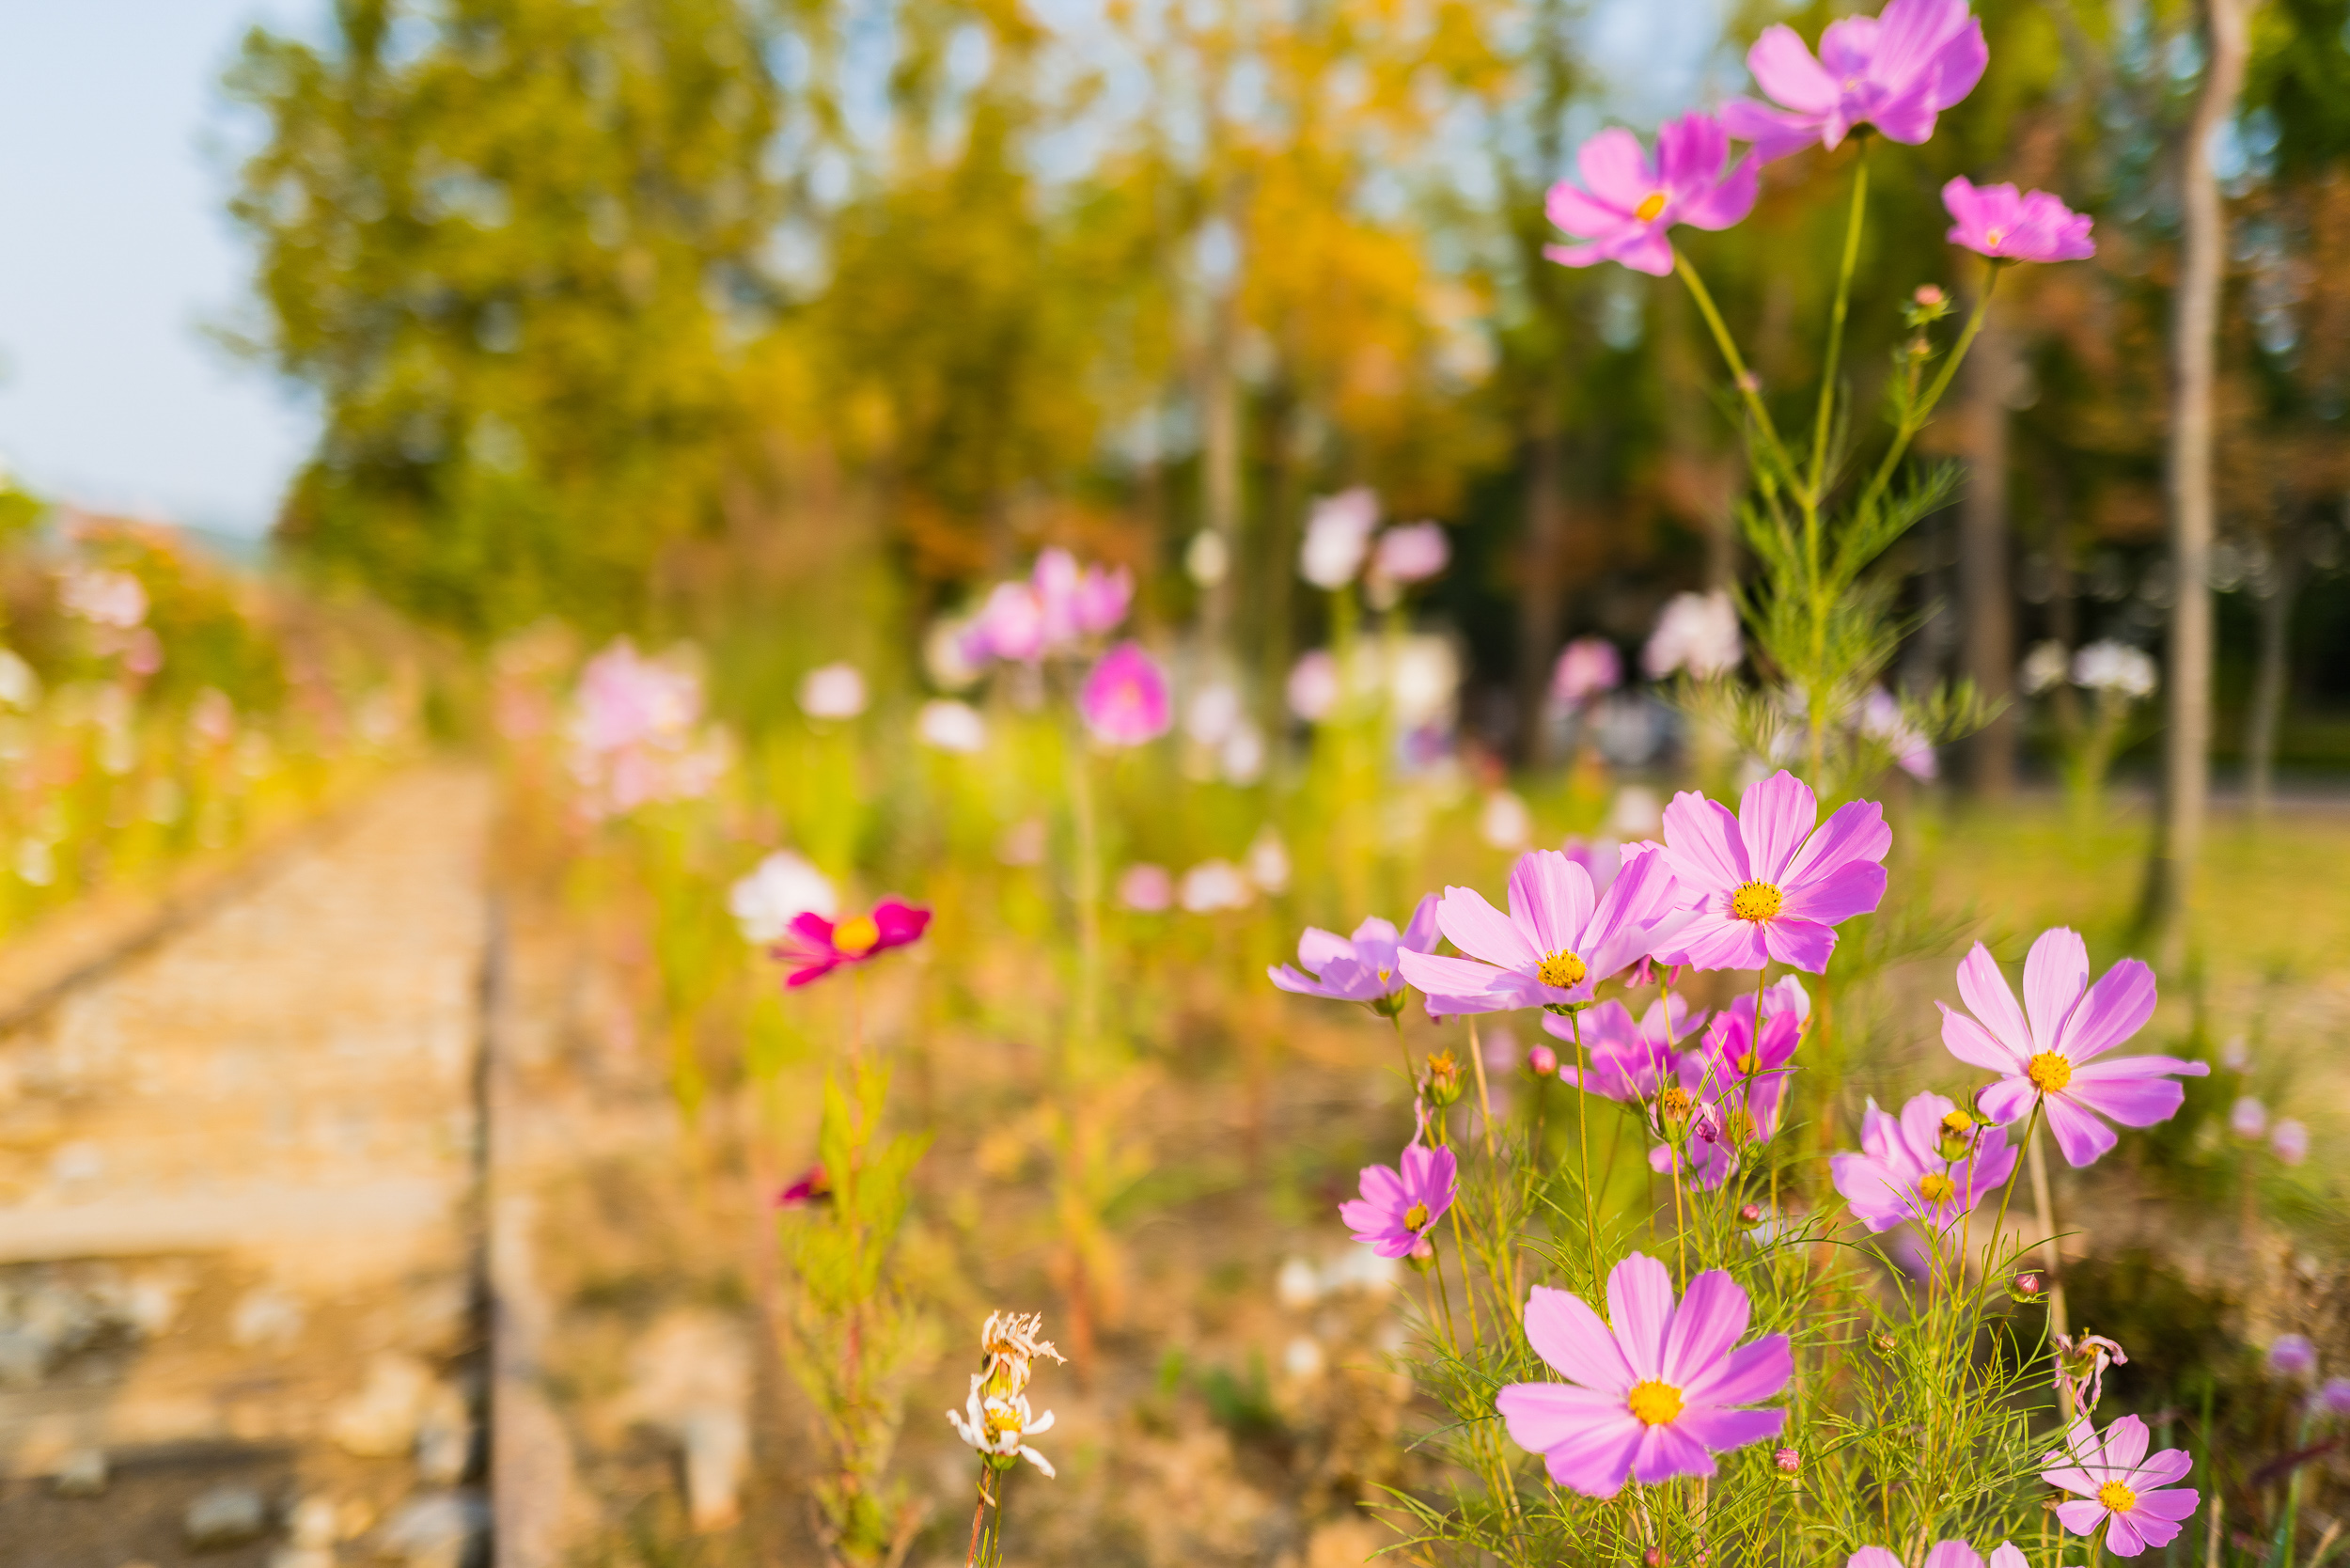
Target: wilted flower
{"points": [[1762, 885], [1213, 886], [1411, 553], [947, 725], [2291, 1357], [1698, 632], [1400, 1203], [2116, 1485], [1586, 667], [1558, 941], [1656, 1395], [779, 890], [2080, 1367], [2249, 1118], [815, 945], [1313, 685], [1896, 72], [2042, 667], [1125, 700], [1904, 1171], [2007, 225], [812, 1187], [2288, 1141], [1146, 889], [1631, 201], [999, 1426], [1011, 1343], [2047, 1050], [834, 692], [1363, 968], [1338, 536], [2115, 667]]}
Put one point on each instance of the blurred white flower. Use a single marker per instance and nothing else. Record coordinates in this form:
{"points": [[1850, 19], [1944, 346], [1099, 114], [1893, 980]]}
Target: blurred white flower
{"points": [[1304, 1359], [1636, 812], [1505, 822], [103, 598], [1267, 861], [1211, 712], [2249, 1118], [2042, 667], [1313, 685], [950, 726], [947, 656], [1207, 557], [2114, 666], [1023, 843], [832, 692], [35, 863], [1338, 535], [1423, 682], [1146, 889], [19, 686], [1698, 632], [1241, 760], [1212, 886], [1296, 1286], [779, 891]]}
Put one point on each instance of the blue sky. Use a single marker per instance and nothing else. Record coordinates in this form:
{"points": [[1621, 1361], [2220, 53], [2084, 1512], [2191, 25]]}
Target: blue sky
{"points": [[116, 253]]}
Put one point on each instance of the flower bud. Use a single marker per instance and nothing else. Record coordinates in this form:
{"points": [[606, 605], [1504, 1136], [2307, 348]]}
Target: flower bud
{"points": [[1424, 1254], [1883, 1343], [1929, 295], [1442, 1080], [1653, 1558], [1541, 1062], [1958, 1134], [1750, 1214], [2028, 1286], [1672, 1107], [1788, 1460]]}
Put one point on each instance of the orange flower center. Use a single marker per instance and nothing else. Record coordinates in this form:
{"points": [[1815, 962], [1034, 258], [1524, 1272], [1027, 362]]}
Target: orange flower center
{"points": [[1561, 968], [1650, 206], [1756, 901], [856, 935], [1993, 236], [1936, 1187], [2049, 1072], [1654, 1403], [1674, 1103], [1415, 1218], [2117, 1497]]}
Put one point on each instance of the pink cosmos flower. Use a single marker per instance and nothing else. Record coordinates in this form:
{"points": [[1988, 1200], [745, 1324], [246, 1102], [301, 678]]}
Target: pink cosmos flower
{"points": [[2289, 1140], [1632, 202], [1010, 626], [1559, 940], [813, 1187], [1601, 858], [1995, 221], [1895, 71], [1586, 667], [1763, 884], [1655, 1396], [1697, 632], [2080, 1367], [2047, 1049], [1338, 536], [1932, 1164], [1731, 1088], [815, 945], [2116, 1485], [1630, 1061], [1399, 1207], [1943, 1554], [1074, 603], [1123, 700], [1362, 968], [1411, 553]]}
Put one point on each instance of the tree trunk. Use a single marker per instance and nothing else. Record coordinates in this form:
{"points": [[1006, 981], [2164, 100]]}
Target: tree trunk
{"points": [[1982, 563], [1538, 583], [1219, 483], [2268, 686], [2195, 352]]}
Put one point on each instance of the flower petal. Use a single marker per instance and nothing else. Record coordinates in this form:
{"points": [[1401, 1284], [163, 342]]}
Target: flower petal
{"points": [[1753, 1373], [1616, 169], [2116, 1007], [1992, 1000], [1704, 845], [2128, 1090], [2170, 1504], [1722, 1429], [1543, 1416], [1712, 1313], [1481, 930], [1641, 1308], [1953, 1554], [1570, 1337], [2125, 1443], [1854, 887], [1667, 1451], [1804, 944], [1467, 986], [2056, 972], [1550, 902], [1717, 941], [2084, 1138], [2007, 1101], [1774, 816], [1784, 68], [1873, 1557], [2081, 1516], [1854, 833]]}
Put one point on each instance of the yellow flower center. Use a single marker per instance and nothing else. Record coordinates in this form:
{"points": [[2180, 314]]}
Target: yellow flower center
{"points": [[1747, 1063], [857, 934], [1756, 901], [1958, 1123], [1654, 1403], [1650, 206], [1993, 236], [1415, 1218], [1561, 968], [1936, 1187], [2117, 1497], [1674, 1103], [2049, 1072]]}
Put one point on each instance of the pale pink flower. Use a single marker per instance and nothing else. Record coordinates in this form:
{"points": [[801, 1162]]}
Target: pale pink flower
{"points": [[1942, 1553], [1124, 699], [1559, 940], [1586, 667], [2289, 1140], [1995, 220], [1933, 1164], [1896, 72], [1145, 888], [2116, 1485], [1764, 885], [1411, 553], [1400, 1203], [1630, 202], [1338, 536], [834, 692], [1314, 687], [1697, 632]]}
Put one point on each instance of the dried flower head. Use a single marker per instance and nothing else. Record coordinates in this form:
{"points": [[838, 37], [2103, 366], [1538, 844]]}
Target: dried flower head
{"points": [[2080, 1367], [1010, 1343]]}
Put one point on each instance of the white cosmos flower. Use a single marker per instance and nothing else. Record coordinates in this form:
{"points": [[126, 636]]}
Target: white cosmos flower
{"points": [[783, 887], [999, 1425]]}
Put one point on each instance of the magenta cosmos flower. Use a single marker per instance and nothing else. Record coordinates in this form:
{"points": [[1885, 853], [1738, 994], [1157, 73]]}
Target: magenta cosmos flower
{"points": [[1361, 968], [2047, 1049], [1943, 1554], [1763, 884], [1075, 603], [2115, 1484], [1995, 221], [1632, 202], [1399, 1207], [1123, 700], [1895, 71], [1559, 940], [1655, 1396], [814, 946], [1630, 1061], [1727, 1094], [1934, 1163]]}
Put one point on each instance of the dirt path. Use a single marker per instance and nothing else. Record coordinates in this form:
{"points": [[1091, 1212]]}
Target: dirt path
{"points": [[239, 1227]]}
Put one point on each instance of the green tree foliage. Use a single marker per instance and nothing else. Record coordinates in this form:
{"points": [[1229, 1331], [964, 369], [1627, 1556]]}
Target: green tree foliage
{"points": [[507, 242]]}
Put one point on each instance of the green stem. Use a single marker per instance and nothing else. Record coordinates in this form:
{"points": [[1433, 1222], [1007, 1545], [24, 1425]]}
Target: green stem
{"points": [[1748, 387], [1922, 410], [1583, 1144], [1836, 346]]}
